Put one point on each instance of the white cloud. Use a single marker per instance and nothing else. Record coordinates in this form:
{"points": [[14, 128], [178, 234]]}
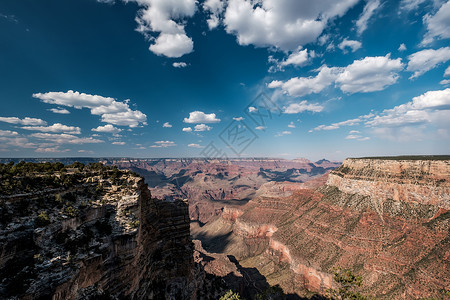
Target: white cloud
{"points": [[291, 125], [238, 119], [438, 25], [366, 75], [369, 74], [201, 117], [8, 133], [195, 146], [62, 111], [430, 107], [298, 58], [167, 125], [17, 142], [118, 143], [215, 8], [64, 138], [353, 45], [301, 86], [51, 150], [187, 129], [252, 109], [202, 127], [356, 137], [295, 108], [285, 24], [286, 132], [24, 121], [131, 118], [402, 47], [353, 131], [161, 16], [179, 64], [369, 9], [447, 71], [425, 60], [57, 127], [260, 128], [409, 5], [163, 144], [445, 82], [108, 128], [111, 111], [338, 125]]}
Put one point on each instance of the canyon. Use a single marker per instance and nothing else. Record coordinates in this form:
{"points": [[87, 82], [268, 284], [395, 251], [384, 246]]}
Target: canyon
{"points": [[386, 220], [201, 227]]}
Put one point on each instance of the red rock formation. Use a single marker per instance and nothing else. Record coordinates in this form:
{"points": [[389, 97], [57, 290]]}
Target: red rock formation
{"points": [[388, 221]]}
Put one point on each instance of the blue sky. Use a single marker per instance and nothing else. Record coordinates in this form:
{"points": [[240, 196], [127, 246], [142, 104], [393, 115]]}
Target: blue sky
{"points": [[183, 78]]}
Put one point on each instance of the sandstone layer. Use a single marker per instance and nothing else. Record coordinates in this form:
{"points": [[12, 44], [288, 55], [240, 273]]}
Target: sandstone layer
{"points": [[386, 220]]}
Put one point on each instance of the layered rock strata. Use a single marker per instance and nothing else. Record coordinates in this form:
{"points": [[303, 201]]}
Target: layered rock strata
{"points": [[102, 238]]}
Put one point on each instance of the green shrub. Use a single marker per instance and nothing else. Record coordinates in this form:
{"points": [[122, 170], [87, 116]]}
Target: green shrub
{"points": [[42, 220], [230, 295]]}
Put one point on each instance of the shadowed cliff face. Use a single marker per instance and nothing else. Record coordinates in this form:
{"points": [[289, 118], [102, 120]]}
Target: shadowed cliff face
{"points": [[388, 221], [104, 236]]}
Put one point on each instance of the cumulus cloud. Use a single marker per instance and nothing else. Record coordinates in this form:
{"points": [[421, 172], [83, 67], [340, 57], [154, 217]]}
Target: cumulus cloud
{"points": [[64, 138], [260, 128], [62, 111], [179, 64], [202, 127], [369, 10], [447, 71], [369, 74], [195, 146], [353, 45], [301, 86], [365, 75], [425, 60], [238, 119], [438, 25], [201, 117], [432, 107], [187, 129], [110, 110], [8, 133], [119, 143], [445, 82], [402, 47], [338, 125], [167, 125], [283, 24], [252, 109], [163, 144], [353, 136], [24, 121], [215, 9], [57, 127], [291, 125], [295, 108], [298, 58], [16, 142], [108, 128], [166, 18]]}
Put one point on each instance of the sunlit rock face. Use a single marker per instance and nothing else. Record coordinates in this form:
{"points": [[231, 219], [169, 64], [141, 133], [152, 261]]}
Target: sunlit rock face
{"points": [[386, 220], [103, 236]]}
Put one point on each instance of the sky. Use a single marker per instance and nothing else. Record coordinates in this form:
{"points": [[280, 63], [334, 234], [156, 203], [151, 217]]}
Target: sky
{"points": [[224, 78]]}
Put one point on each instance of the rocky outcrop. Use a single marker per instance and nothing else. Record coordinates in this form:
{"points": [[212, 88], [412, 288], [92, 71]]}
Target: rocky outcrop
{"points": [[105, 236], [386, 220], [414, 181]]}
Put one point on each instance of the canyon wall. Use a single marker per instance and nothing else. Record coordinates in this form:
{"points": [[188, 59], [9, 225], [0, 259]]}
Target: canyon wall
{"points": [[386, 220], [102, 237]]}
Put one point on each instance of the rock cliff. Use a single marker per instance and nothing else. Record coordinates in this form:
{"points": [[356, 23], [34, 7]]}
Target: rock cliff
{"points": [[98, 235], [386, 220]]}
